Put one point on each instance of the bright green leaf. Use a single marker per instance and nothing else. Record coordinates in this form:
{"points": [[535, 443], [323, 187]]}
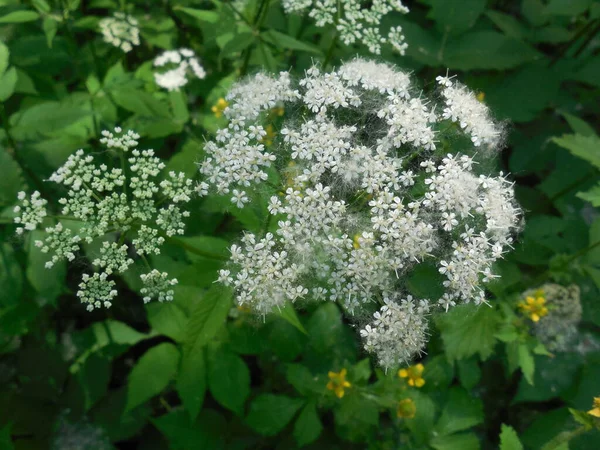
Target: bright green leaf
{"points": [[462, 411], [228, 379], [509, 439], [526, 363], [308, 426], [586, 147], [4, 54], [285, 41], [269, 413], [19, 17], [211, 17], [8, 82], [288, 313], [191, 382], [462, 441]]}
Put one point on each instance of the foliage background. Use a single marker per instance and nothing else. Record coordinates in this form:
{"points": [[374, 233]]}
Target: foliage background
{"points": [[190, 374]]}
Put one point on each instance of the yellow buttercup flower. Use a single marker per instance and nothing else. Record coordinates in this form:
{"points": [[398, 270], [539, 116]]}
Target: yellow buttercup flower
{"points": [[414, 375], [406, 409], [337, 382], [534, 307], [595, 411], [219, 107]]}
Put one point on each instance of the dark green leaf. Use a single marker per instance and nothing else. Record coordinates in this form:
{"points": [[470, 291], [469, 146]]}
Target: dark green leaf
{"points": [[308, 426], [269, 413], [461, 412], [191, 382], [228, 379]]}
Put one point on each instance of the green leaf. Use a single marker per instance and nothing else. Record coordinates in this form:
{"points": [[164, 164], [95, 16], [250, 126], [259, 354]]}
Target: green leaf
{"points": [[208, 316], [10, 179], [592, 195], [11, 277], [586, 147], [19, 17], [526, 363], [570, 8], [462, 441], [578, 125], [140, 102], [487, 50], [5, 438], [114, 332], [288, 313], [509, 439], [468, 330], [304, 381], [228, 379], [168, 318], [48, 282], [593, 255], [211, 17], [583, 418], [421, 425], [308, 426], [208, 432], [8, 82], [4, 54], [50, 27], [461, 412], [456, 17], [285, 41], [469, 372], [152, 374], [269, 413], [191, 382]]}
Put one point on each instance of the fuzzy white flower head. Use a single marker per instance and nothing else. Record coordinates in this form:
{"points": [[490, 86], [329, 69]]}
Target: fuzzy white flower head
{"points": [[180, 65], [101, 201], [120, 30], [368, 196], [355, 20]]}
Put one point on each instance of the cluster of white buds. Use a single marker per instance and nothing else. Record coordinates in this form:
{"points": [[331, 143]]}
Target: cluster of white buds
{"points": [[180, 64], [120, 30], [355, 20], [372, 191], [128, 210]]}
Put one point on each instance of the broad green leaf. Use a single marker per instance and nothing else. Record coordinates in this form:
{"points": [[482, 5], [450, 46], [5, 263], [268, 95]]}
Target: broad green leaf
{"points": [[179, 106], [50, 27], [487, 50], [207, 317], [269, 414], [456, 17], [46, 118], [42, 6], [211, 17], [583, 418], [8, 82], [114, 332], [526, 363], [141, 103], [508, 24], [207, 432], [578, 125], [19, 17], [461, 441], [4, 54], [228, 379], [468, 330], [308, 426], [231, 43], [588, 73], [151, 374], [509, 439], [586, 147], [570, 8], [49, 283], [11, 180], [168, 318], [469, 372], [304, 381], [191, 382], [285, 41], [461, 412], [421, 425], [288, 313]]}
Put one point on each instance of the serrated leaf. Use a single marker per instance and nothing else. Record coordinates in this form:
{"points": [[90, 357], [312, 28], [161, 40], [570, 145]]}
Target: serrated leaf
{"points": [[211, 17], [456, 17], [460, 413], [468, 330], [8, 81], [151, 374], [269, 413], [526, 363], [308, 426], [19, 17], [4, 54], [289, 314], [228, 379], [509, 439], [585, 147], [191, 382]]}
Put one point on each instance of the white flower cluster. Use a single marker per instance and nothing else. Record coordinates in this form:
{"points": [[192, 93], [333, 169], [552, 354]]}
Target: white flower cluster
{"points": [[180, 64], [120, 30], [355, 21], [372, 191], [129, 209]]}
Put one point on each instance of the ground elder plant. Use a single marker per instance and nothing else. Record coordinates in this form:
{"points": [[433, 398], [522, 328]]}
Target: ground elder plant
{"points": [[379, 181], [175, 67], [128, 211]]}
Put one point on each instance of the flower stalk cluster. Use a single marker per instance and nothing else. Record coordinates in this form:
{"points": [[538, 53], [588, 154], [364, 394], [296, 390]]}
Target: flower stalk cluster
{"points": [[371, 190], [174, 67], [129, 211], [121, 31]]}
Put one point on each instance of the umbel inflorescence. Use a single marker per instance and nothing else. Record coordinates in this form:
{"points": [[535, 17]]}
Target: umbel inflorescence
{"points": [[355, 21], [377, 181], [129, 211], [174, 67], [121, 30]]}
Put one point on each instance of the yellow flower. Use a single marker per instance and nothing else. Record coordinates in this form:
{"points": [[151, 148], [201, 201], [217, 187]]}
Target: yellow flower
{"points": [[337, 382], [534, 307], [267, 139], [355, 241], [219, 107], [595, 411], [481, 96], [278, 111], [414, 375], [406, 409]]}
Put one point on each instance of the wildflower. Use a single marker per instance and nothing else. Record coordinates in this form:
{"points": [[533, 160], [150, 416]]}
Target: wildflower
{"points": [[406, 409], [337, 382], [107, 201], [534, 307], [181, 64], [219, 107], [120, 30], [350, 227], [414, 375], [269, 135], [354, 22], [595, 411]]}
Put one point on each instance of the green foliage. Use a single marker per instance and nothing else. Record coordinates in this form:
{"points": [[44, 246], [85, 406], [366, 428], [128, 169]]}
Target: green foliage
{"points": [[199, 372]]}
